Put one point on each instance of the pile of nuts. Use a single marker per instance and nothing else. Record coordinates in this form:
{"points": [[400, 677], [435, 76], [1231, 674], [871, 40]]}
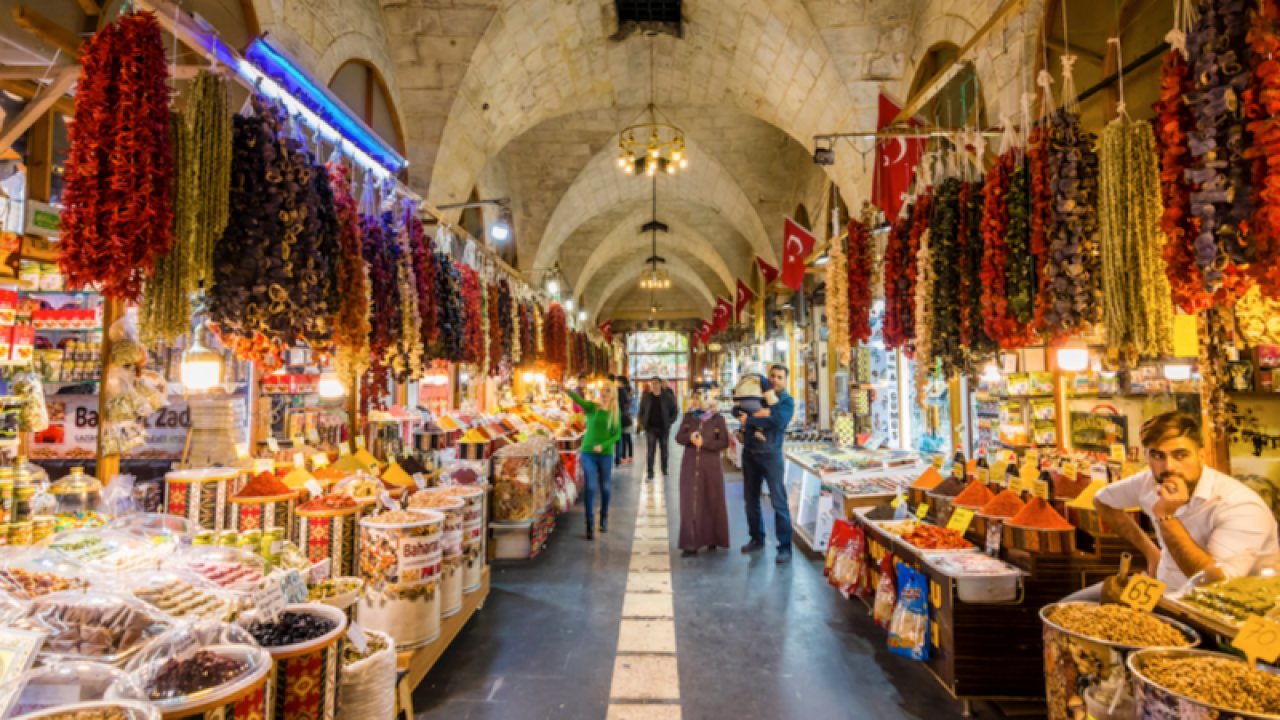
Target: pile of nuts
{"points": [[1225, 682], [1117, 624]]}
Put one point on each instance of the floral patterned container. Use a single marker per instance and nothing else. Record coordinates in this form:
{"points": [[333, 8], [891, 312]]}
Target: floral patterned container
{"points": [[262, 513], [200, 495], [401, 563], [329, 534], [1154, 702], [306, 673], [1074, 662], [474, 533], [451, 576]]}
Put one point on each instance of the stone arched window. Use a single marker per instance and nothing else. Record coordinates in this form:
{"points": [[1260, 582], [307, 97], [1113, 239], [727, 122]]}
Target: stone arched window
{"points": [[361, 88], [959, 102]]}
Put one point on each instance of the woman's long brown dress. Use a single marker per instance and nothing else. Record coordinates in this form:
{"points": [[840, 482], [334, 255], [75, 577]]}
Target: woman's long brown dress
{"points": [[704, 521]]}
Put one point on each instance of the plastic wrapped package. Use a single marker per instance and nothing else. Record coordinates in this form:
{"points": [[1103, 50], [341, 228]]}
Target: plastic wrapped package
{"points": [[886, 594], [367, 685], [228, 568], [182, 595], [466, 472], [515, 491], [846, 558], [97, 626], [30, 573], [107, 551], [66, 685], [156, 528], [208, 665], [909, 628]]}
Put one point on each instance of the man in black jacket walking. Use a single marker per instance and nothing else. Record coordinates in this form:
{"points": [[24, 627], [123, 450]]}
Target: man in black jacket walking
{"points": [[658, 412]]}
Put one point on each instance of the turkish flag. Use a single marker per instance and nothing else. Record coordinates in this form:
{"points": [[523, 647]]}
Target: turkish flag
{"points": [[606, 329], [745, 295], [797, 244], [723, 312], [769, 272], [704, 331], [896, 160]]}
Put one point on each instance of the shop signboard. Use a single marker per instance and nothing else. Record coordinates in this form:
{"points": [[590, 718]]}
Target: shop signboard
{"points": [[73, 430], [1098, 431]]}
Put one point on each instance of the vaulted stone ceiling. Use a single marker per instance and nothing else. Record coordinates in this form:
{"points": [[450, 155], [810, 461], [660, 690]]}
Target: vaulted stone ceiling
{"points": [[524, 99]]}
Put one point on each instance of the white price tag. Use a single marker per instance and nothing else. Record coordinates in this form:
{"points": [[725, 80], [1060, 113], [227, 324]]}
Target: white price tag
{"points": [[314, 488], [264, 465], [420, 481], [273, 445], [343, 449], [242, 450], [357, 637], [299, 461], [293, 587], [321, 570], [313, 437], [269, 601]]}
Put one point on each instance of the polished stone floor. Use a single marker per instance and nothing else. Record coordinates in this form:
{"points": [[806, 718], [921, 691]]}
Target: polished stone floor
{"points": [[585, 631]]}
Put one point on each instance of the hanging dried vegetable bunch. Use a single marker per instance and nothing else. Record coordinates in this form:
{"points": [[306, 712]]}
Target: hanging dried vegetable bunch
{"points": [[944, 255], [837, 300], [473, 340], [1070, 284], [860, 261], [1137, 310], [408, 362], [273, 269], [540, 331], [555, 337], [997, 207], [1262, 106], [1215, 344], [514, 331], [1218, 172], [1173, 123], [201, 140], [427, 272], [384, 312], [351, 320], [451, 311], [978, 346], [899, 283], [494, 331], [118, 201], [924, 312]]}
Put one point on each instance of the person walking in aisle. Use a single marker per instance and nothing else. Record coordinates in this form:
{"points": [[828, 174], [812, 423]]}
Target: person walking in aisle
{"points": [[762, 463], [704, 521], [625, 447], [603, 428], [657, 415]]}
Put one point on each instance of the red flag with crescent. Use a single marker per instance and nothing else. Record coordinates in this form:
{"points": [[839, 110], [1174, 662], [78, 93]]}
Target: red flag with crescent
{"points": [[606, 329], [896, 160], [745, 296], [769, 272], [723, 313], [704, 331], [797, 244]]}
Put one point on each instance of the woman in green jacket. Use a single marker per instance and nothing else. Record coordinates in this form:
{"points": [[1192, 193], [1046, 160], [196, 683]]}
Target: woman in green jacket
{"points": [[604, 427]]}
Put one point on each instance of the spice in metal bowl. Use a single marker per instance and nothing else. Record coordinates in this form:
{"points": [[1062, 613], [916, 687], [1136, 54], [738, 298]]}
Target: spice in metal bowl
{"points": [[1117, 624], [1217, 681]]}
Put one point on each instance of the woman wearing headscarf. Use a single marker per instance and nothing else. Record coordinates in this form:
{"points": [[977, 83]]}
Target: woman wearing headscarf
{"points": [[704, 521]]}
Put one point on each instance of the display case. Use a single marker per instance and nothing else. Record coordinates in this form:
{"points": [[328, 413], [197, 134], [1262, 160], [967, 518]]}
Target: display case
{"points": [[817, 476]]}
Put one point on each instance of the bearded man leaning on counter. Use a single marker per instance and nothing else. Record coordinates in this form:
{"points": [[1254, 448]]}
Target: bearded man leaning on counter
{"points": [[1202, 517]]}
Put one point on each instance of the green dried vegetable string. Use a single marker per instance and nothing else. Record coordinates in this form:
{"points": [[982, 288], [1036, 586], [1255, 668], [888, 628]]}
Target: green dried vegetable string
{"points": [[164, 312]]}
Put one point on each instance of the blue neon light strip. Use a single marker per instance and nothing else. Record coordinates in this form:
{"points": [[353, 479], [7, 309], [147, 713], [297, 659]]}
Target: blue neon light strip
{"points": [[323, 103]]}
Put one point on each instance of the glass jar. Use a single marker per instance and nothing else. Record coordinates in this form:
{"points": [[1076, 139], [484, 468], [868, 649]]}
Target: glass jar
{"points": [[78, 501]]}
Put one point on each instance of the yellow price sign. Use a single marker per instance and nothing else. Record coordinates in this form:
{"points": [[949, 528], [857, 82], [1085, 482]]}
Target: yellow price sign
{"points": [[1033, 457], [895, 502], [983, 475], [1069, 471], [360, 442], [273, 445], [297, 440], [1118, 453], [1040, 489], [999, 471], [1142, 593], [1258, 639], [937, 462], [922, 511], [1027, 477], [319, 460], [960, 520], [313, 437], [344, 449], [242, 451]]}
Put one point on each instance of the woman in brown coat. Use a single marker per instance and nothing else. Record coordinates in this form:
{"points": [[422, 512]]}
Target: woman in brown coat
{"points": [[704, 521]]}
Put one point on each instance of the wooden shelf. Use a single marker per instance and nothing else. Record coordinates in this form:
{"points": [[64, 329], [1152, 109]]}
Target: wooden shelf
{"points": [[413, 665]]}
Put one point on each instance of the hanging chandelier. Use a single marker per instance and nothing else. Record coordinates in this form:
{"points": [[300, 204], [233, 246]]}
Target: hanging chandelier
{"points": [[655, 145], [655, 276]]}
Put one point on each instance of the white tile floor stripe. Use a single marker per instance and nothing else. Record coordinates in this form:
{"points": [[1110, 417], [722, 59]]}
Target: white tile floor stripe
{"points": [[646, 680]]}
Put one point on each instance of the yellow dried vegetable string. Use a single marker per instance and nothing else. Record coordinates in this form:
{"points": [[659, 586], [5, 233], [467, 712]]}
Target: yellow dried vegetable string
{"points": [[838, 299], [1155, 323]]}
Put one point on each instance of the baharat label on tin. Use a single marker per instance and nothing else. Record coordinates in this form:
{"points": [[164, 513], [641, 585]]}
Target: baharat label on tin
{"points": [[419, 559]]}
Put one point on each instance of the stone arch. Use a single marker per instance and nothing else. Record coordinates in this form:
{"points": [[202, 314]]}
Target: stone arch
{"points": [[541, 59], [682, 240], [375, 84], [600, 186], [626, 276]]}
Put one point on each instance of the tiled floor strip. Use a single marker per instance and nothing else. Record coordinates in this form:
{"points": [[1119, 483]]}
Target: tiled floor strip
{"points": [[646, 684]]}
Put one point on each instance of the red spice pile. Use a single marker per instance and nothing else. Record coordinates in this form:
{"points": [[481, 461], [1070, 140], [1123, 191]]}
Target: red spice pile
{"points": [[1039, 515], [263, 485]]}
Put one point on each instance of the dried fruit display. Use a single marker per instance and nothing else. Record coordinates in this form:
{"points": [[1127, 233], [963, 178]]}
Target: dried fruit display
{"points": [[860, 262], [117, 213], [1137, 308]]}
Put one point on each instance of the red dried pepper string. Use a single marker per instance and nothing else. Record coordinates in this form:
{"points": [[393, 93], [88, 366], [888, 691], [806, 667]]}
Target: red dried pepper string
{"points": [[1262, 107], [118, 215], [473, 337], [899, 300], [495, 332], [859, 273], [554, 331]]}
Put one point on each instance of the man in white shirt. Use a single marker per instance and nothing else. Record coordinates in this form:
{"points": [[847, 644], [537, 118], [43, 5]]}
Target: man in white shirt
{"points": [[1202, 517]]}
